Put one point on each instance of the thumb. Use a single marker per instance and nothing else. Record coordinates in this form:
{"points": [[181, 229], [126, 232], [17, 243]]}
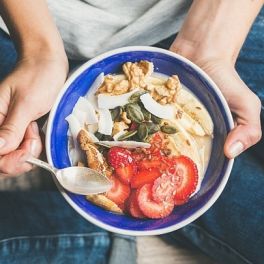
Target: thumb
{"points": [[13, 128], [241, 138]]}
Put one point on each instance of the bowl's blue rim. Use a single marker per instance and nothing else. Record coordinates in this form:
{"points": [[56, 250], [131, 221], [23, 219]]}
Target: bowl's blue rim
{"points": [[195, 215]]}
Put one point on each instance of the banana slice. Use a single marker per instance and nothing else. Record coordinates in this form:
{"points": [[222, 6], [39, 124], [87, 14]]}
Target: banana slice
{"points": [[187, 122], [192, 106], [102, 201]]}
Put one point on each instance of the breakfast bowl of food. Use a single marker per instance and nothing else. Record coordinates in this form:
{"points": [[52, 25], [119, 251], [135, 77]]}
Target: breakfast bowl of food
{"points": [[155, 125]]}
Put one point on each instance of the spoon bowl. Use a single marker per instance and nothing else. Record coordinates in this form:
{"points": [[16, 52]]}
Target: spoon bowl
{"points": [[79, 180]]}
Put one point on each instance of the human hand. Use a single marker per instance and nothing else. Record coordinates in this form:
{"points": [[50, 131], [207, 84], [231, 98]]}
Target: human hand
{"points": [[243, 103], [25, 95]]}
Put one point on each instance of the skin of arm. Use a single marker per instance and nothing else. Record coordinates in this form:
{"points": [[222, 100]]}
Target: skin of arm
{"points": [[211, 37], [29, 91]]}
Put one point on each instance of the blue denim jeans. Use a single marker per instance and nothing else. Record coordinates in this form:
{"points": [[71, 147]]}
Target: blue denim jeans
{"points": [[40, 227]]}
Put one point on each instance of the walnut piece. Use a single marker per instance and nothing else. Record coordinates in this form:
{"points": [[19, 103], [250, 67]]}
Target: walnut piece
{"points": [[119, 126], [113, 85], [137, 73], [125, 118], [166, 93]]}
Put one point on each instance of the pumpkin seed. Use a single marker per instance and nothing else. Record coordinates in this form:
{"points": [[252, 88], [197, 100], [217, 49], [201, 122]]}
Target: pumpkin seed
{"points": [[168, 129], [142, 132], [99, 135], [146, 114], [127, 135], [134, 113], [107, 138], [152, 128], [135, 97], [156, 119], [115, 113]]}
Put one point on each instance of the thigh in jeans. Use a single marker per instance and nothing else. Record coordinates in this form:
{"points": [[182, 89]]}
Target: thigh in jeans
{"points": [[232, 230]]}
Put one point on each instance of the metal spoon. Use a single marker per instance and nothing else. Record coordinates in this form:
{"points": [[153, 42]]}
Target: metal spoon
{"points": [[80, 180]]}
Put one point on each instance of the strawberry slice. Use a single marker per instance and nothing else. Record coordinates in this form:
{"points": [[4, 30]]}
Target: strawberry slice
{"points": [[119, 192], [163, 188], [119, 157], [149, 207], [144, 176], [125, 173], [180, 202], [133, 207], [153, 163], [185, 177]]}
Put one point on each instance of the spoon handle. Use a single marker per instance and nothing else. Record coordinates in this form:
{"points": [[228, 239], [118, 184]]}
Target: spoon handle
{"points": [[42, 164]]}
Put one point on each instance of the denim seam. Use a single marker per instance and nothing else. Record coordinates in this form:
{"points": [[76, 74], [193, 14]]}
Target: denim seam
{"points": [[219, 241], [51, 236]]}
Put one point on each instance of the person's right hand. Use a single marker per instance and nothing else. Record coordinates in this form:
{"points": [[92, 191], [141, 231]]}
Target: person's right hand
{"points": [[25, 95], [244, 104]]}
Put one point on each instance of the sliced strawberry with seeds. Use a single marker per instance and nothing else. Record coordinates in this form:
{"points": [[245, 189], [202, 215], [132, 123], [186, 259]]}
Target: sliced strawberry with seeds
{"points": [[163, 188], [125, 173], [185, 177], [133, 207], [119, 191], [118, 157], [144, 176], [149, 207], [153, 163]]}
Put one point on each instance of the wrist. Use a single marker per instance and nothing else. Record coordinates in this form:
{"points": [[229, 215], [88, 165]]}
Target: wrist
{"points": [[36, 51], [202, 52]]}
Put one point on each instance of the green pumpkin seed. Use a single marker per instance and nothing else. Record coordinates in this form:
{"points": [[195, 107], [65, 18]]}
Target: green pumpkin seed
{"points": [[107, 138], [168, 129], [116, 113], [127, 135], [134, 113], [142, 132], [152, 128], [146, 114], [99, 135], [156, 119], [135, 97]]}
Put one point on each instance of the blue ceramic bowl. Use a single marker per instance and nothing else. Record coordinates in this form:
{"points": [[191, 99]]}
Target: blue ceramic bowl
{"points": [[191, 76]]}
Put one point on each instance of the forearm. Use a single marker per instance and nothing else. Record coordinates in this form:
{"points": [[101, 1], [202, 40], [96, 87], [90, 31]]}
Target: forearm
{"points": [[31, 27], [216, 28]]}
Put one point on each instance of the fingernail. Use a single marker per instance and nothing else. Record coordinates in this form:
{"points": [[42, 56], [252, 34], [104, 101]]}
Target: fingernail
{"points": [[235, 149], [35, 128], [2, 142], [33, 147]]}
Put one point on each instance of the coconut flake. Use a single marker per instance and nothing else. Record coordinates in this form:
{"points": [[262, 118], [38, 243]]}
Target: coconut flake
{"points": [[105, 123], [161, 111], [119, 134], [90, 95], [86, 111], [125, 144], [111, 101], [74, 125]]}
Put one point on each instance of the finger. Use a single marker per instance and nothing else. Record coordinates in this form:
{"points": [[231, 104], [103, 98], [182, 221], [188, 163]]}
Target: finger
{"points": [[247, 131], [14, 126], [15, 163]]}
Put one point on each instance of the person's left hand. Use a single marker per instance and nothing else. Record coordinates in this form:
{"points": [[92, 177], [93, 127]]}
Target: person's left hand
{"points": [[243, 103]]}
